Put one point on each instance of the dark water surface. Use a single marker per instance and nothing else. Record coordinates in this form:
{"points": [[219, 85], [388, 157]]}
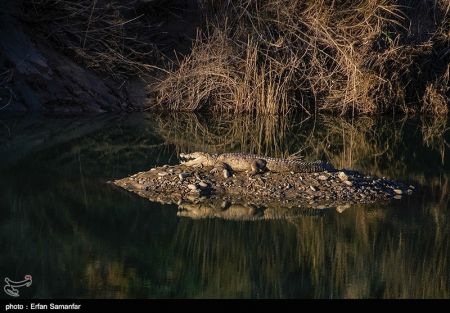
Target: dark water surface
{"points": [[80, 237]]}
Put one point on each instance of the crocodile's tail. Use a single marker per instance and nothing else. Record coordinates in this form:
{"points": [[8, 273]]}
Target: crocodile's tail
{"points": [[314, 166]]}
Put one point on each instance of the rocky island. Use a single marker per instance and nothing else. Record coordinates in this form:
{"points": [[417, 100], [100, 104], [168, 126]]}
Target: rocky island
{"points": [[247, 187]]}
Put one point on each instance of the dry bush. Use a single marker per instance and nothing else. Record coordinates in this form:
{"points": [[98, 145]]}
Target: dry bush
{"points": [[434, 99], [266, 56], [219, 76], [347, 57], [107, 36]]}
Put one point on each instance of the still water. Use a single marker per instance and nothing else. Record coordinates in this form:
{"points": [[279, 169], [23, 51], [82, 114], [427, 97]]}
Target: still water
{"points": [[81, 237]]}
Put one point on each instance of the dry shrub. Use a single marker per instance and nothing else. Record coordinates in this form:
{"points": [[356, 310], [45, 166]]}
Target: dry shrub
{"points": [[344, 56], [267, 56], [434, 99], [107, 36], [219, 76]]}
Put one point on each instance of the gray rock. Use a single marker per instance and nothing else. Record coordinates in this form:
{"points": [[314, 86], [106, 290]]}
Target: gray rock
{"points": [[183, 176]]}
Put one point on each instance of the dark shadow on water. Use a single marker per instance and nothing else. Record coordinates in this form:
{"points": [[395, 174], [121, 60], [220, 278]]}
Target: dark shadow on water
{"points": [[81, 237]]}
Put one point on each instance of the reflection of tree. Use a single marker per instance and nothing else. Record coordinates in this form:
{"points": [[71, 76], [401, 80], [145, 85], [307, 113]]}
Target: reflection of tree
{"points": [[190, 132], [377, 146], [433, 132]]}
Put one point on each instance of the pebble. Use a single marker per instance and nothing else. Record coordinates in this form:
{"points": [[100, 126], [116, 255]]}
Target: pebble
{"points": [[342, 208], [348, 183], [397, 197], [192, 187], [398, 191], [312, 188], [203, 184], [323, 177], [184, 175], [342, 176], [162, 174]]}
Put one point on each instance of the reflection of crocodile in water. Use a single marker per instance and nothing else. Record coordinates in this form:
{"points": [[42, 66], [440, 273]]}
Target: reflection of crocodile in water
{"points": [[282, 187], [247, 211], [254, 163]]}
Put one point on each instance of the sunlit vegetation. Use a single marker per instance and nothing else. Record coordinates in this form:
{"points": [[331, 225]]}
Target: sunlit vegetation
{"points": [[264, 56]]}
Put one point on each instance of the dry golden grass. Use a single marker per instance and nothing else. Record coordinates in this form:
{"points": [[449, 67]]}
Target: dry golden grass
{"points": [[271, 56], [107, 36], [268, 56], [218, 76], [434, 99]]}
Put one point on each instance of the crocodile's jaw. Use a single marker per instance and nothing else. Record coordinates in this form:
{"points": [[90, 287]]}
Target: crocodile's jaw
{"points": [[195, 158], [186, 157]]}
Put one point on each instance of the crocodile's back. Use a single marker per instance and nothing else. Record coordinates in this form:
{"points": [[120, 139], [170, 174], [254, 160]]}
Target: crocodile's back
{"points": [[239, 161], [243, 162]]}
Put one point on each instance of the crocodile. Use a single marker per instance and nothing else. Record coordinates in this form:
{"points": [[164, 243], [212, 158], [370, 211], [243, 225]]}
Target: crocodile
{"points": [[253, 163]]}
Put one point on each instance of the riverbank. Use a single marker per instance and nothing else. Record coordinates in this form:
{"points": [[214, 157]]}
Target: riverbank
{"points": [[269, 57]]}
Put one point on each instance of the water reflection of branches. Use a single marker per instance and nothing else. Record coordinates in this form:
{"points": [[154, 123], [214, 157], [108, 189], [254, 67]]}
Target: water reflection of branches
{"points": [[363, 143], [434, 130]]}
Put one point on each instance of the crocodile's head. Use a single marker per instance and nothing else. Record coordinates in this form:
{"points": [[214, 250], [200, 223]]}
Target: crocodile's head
{"points": [[195, 157]]}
